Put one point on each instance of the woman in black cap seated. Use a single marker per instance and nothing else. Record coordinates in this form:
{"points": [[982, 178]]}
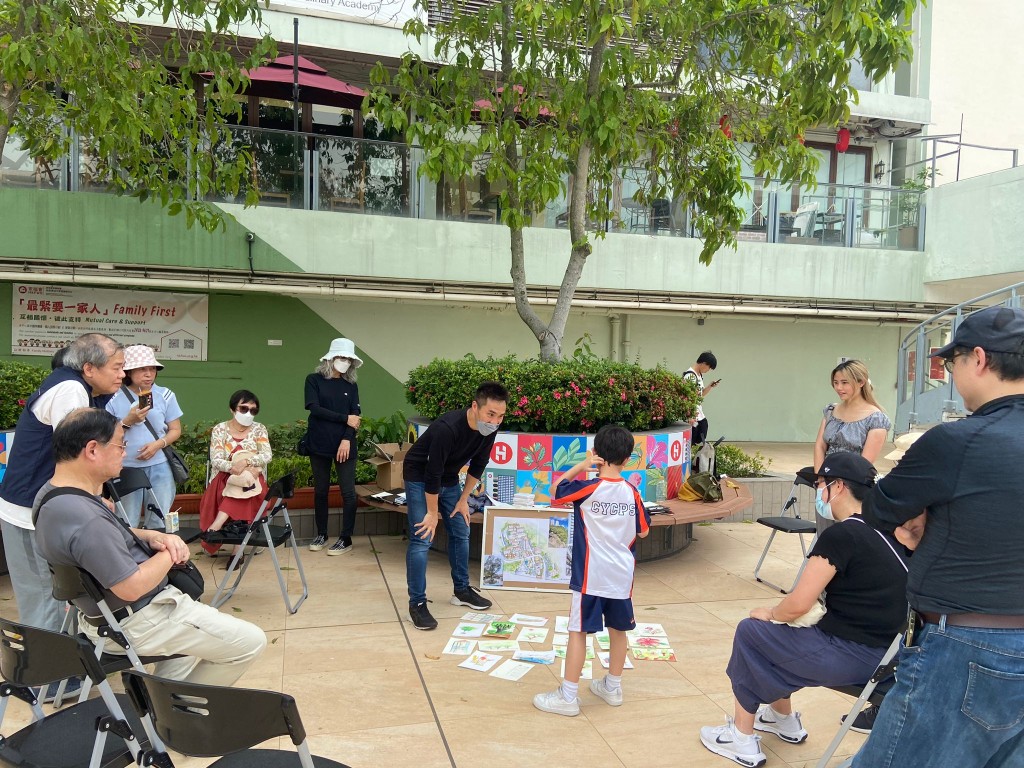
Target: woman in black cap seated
{"points": [[779, 649]]}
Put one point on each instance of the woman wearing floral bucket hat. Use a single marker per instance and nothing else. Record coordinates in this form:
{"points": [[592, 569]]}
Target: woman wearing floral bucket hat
{"points": [[332, 399], [144, 448]]}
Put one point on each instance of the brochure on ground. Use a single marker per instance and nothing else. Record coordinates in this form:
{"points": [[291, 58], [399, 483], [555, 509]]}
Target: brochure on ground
{"points": [[468, 629], [653, 654], [512, 670], [535, 657], [480, 662], [457, 647], [498, 646], [605, 658], [586, 674], [532, 635], [527, 621]]}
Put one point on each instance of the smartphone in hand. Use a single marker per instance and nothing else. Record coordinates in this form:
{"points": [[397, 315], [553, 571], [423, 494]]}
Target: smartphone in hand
{"points": [[145, 400], [716, 383]]}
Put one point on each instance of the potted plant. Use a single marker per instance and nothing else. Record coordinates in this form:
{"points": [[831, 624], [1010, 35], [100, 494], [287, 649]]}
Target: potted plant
{"points": [[910, 207]]}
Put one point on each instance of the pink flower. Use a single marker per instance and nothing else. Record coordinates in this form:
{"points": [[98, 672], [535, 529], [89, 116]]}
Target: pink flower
{"points": [[623, 395], [584, 402], [538, 398], [558, 395], [524, 400], [22, 402], [611, 382]]}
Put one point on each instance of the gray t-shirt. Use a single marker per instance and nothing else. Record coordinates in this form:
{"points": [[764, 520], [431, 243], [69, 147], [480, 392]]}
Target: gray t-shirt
{"points": [[81, 531]]}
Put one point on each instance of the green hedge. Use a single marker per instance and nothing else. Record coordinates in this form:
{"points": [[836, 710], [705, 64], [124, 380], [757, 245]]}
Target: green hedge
{"points": [[580, 394], [17, 382]]}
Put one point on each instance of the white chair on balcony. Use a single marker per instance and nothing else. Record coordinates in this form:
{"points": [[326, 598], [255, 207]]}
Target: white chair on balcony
{"points": [[804, 219]]}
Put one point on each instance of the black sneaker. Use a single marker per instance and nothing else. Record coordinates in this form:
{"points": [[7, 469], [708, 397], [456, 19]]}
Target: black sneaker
{"points": [[318, 543], [341, 546], [864, 720], [421, 618], [471, 597]]}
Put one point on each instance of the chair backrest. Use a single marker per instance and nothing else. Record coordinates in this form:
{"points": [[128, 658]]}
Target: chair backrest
{"points": [[209, 720], [282, 488], [32, 657], [804, 219], [130, 480]]}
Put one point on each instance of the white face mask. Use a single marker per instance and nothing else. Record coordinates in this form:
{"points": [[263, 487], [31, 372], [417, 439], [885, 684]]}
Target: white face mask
{"points": [[245, 419], [485, 428], [341, 365]]}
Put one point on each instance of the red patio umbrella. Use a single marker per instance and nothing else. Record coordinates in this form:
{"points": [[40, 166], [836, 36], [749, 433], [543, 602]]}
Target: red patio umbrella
{"points": [[274, 80]]}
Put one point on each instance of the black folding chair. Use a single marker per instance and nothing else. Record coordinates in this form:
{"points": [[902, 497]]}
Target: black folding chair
{"points": [[871, 693], [73, 737], [785, 523], [262, 532], [214, 721], [72, 585], [134, 479]]}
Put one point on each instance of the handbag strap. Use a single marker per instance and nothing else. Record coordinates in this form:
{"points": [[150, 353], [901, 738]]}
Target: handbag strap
{"points": [[128, 394], [887, 543]]}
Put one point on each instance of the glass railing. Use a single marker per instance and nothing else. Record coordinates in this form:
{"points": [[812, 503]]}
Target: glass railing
{"points": [[348, 175]]}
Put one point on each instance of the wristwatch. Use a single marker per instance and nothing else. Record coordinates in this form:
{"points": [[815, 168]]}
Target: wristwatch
{"points": [[126, 427]]}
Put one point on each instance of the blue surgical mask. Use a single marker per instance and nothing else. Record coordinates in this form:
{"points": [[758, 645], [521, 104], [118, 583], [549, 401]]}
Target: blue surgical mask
{"points": [[822, 507]]}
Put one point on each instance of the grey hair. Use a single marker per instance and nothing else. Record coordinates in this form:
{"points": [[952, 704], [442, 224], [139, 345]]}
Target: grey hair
{"points": [[93, 348], [326, 369]]}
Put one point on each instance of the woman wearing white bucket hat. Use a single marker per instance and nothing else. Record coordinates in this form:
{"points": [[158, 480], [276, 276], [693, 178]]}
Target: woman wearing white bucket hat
{"points": [[332, 399], [144, 449]]}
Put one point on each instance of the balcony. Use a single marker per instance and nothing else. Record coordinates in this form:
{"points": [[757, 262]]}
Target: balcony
{"points": [[314, 172]]}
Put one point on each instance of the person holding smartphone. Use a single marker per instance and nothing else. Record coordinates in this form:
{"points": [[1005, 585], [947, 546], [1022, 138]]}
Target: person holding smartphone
{"points": [[158, 406], [706, 361]]}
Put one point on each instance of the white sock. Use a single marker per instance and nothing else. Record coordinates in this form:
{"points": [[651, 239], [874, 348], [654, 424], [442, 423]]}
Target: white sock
{"points": [[569, 690], [741, 737], [779, 717], [612, 683]]}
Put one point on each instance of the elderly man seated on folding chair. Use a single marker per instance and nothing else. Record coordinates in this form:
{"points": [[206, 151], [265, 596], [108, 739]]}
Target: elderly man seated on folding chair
{"points": [[781, 649], [74, 527]]}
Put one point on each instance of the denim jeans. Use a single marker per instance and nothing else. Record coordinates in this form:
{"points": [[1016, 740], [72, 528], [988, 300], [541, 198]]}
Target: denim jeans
{"points": [[958, 700], [321, 466], [458, 539], [162, 480]]}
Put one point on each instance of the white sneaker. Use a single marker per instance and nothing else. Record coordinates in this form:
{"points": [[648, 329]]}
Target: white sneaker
{"points": [[600, 688], [555, 703], [789, 728], [724, 740]]}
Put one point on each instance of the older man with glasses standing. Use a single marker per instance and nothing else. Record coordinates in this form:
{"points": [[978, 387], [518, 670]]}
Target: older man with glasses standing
{"points": [[956, 498]]}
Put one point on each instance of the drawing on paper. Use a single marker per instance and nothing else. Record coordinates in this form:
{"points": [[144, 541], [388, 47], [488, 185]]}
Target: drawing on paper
{"points": [[526, 553]]}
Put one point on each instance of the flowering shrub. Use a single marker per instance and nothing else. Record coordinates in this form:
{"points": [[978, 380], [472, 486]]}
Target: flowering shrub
{"points": [[17, 382], [577, 395]]}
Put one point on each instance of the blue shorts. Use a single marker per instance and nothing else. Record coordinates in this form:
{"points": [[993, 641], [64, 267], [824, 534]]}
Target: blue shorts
{"points": [[586, 612]]}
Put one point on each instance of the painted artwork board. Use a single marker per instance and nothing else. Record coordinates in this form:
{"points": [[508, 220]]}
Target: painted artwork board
{"points": [[526, 549]]}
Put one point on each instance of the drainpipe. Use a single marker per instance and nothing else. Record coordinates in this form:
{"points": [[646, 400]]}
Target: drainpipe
{"points": [[613, 352], [626, 356]]}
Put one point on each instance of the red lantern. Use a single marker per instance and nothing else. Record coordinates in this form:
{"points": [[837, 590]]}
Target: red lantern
{"points": [[842, 139], [723, 124]]}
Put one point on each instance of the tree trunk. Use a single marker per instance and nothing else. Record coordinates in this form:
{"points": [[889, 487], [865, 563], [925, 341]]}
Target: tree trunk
{"points": [[9, 96]]}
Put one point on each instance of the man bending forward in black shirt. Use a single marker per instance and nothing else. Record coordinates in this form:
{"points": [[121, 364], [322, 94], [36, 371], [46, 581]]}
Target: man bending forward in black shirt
{"points": [[432, 492]]}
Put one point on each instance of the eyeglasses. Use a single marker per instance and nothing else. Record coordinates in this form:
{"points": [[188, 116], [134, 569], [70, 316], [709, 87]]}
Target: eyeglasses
{"points": [[253, 409], [122, 446], [949, 362]]}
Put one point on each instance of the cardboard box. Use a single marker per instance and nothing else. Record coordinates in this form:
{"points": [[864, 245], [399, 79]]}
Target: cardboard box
{"points": [[388, 458]]}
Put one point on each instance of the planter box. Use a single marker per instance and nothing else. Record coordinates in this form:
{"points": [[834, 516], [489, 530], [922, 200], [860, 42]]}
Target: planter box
{"points": [[188, 503]]}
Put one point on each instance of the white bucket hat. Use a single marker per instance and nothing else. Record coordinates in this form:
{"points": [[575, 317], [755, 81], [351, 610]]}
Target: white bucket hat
{"points": [[343, 348], [140, 356]]}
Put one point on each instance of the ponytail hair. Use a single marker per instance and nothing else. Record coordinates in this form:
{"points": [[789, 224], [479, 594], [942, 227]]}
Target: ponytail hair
{"points": [[857, 371]]}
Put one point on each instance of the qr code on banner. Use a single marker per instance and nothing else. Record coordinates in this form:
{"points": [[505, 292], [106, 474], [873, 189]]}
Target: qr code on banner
{"points": [[172, 343], [190, 344]]}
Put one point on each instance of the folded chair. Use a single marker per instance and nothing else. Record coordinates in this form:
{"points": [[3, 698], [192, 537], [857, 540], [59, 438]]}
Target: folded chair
{"points": [[134, 479], [871, 693], [264, 531], [214, 721], [785, 523], [76, 736]]}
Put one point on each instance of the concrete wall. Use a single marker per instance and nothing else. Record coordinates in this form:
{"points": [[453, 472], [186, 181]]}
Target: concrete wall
{"points": [[974, 236], [457, 251]]}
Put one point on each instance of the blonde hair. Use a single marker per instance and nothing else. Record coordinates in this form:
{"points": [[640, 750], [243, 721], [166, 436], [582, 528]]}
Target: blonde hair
{"points": [[326, 369], [856, 370]]}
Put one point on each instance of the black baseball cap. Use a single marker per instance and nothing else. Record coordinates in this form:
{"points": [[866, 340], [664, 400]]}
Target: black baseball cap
{"points": [[844, 465], [994, 329]]}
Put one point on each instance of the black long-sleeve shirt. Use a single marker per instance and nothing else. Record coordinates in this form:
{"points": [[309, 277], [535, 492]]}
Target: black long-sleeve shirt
{"points": [[446, 447], [969, 476], [330, 402]]}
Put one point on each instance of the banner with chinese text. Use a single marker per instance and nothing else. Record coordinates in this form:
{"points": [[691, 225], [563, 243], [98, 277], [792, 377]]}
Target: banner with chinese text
{"points": [[46, 318]]}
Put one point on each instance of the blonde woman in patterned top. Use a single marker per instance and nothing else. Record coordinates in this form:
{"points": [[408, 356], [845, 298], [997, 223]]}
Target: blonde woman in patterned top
{"points": [[238, 445], [856, 423]]}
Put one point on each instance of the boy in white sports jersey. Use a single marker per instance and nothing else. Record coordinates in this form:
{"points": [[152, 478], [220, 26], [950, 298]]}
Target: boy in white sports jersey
{"points": [[609, 516]]}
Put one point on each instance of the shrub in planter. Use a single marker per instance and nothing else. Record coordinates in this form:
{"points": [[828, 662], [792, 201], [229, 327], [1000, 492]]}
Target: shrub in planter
{"points": [[579, 394], [17, 382], [735, 462]]}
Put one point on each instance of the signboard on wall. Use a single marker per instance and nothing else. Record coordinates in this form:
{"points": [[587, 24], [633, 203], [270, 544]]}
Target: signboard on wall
{"points": [[385, 13], [46, 318]]}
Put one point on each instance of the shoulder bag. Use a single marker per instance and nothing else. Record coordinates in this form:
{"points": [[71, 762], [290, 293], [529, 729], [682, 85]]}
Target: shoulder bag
{"points": [[179, 470]]}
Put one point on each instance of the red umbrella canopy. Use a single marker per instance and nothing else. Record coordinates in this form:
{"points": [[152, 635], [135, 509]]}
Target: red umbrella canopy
{"points": [[274, 80]]}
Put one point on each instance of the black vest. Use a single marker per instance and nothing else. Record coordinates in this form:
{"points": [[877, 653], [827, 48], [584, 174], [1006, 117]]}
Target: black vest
{"points": [[31, 461]]}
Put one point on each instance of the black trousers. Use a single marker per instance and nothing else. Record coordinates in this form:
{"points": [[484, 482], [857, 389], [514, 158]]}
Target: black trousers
{"points": [[321, 488], [699, 433]]}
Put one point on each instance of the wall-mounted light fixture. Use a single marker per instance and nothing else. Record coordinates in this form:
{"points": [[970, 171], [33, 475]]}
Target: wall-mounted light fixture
{"points": [[879, 171]]}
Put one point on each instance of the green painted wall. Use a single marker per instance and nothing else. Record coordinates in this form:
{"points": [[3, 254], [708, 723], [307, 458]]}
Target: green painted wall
{"points": [[239, 356], [94, 227]]}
